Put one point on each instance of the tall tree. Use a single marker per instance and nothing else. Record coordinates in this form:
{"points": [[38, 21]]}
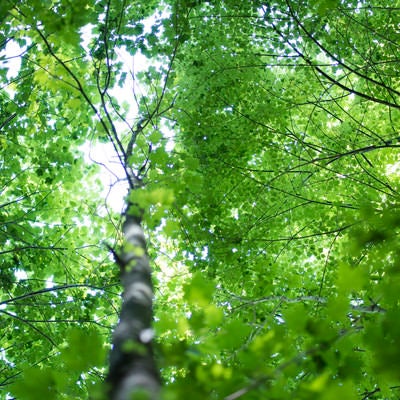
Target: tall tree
{"points": [[64, 99], [262, 171]]}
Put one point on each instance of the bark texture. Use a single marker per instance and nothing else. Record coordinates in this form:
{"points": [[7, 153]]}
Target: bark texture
{"points": [[133, 373]]}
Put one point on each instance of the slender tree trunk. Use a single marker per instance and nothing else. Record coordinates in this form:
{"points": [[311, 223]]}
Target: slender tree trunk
{"points": [[133, 373]]}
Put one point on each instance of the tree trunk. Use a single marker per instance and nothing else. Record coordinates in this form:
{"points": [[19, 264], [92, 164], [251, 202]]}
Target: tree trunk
{"points": [[133, 373]]}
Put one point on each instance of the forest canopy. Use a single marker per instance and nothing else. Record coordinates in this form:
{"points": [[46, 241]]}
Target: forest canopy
{"points": [[256, 255]]}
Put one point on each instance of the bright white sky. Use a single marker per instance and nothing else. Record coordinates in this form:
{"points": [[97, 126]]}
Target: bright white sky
{"points": [[112, 174], [115, 188]]}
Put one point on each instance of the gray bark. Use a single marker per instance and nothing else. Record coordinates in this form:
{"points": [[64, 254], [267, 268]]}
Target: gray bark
{"points": [[133, 373]]}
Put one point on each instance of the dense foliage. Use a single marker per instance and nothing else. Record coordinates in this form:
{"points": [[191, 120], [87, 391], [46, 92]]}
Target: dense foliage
{"points": [[265, 140]]}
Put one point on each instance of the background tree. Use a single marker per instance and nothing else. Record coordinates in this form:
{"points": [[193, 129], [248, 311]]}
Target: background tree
{"points": [[272, 215]]}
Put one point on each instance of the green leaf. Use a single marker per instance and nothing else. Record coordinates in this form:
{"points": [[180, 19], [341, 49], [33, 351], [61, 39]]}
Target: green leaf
{"points": [[155, 137], [83, 349], [199, 291], [37, 384]]}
